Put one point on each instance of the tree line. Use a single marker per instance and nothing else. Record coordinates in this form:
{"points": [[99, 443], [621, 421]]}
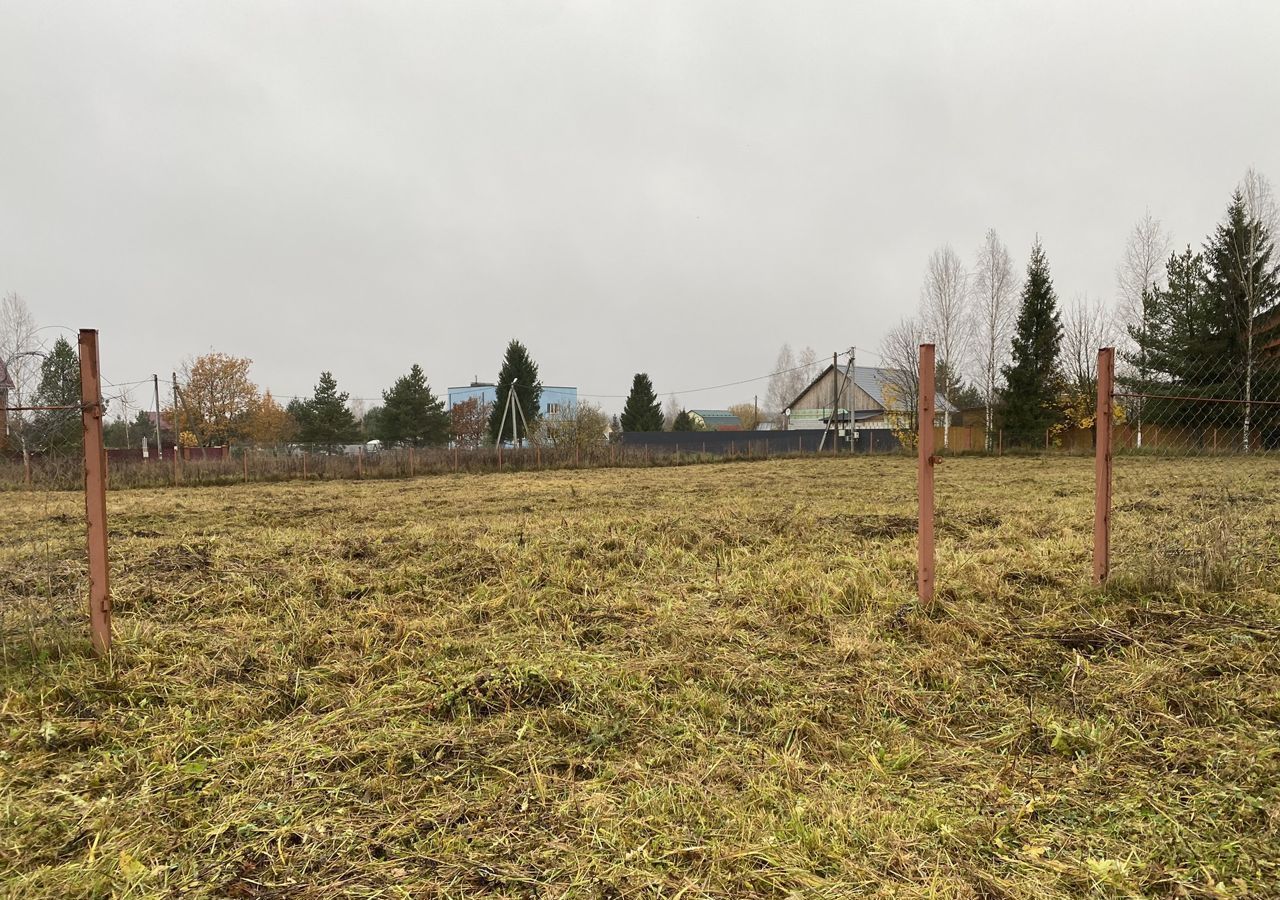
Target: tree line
{"points": [[216, 402], [1195, 323], [1194, 327]]}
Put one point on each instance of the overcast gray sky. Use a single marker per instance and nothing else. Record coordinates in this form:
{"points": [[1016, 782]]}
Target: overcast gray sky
{"points": [[673, 187]]}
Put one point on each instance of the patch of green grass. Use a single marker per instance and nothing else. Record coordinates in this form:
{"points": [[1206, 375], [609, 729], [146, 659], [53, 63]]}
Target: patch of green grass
{"points": [[710, 681]]}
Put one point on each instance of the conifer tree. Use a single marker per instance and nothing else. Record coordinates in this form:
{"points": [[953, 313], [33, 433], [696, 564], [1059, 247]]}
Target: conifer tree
{"points": [[1243, 284], [684, 422], [642, 411], [325, 419], [1181, 326], [1032, 376], [411, 414], [59, 429], [517, 368], [1181, 348], [1241, 277]]}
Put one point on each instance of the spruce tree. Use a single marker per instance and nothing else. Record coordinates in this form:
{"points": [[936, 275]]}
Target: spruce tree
{"points": [[325, 419], [517, 368], [642, 411], [1181, 330], [1032, 377], [371, 425], [1182, 327], [59, 429], [1240, 277], [1243, 284], [299, 411], [411, 414], [684, 422]]}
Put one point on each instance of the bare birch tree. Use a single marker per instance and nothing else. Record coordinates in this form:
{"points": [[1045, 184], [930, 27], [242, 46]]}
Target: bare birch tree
{"points": [[20, 350], [943, 307], [809, 368], [1141, 269], [790, 377], [670, 411], [993, 311], [1140, 273], [900, 356], [1086, 326], [778, 393]]}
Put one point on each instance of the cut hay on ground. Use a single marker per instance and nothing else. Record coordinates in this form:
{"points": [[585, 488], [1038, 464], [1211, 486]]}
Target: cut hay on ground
{"points": [[697, 682]]}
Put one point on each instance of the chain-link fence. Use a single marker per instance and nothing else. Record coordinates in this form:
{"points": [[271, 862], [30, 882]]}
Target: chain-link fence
{"points": [[54, 569], [1196, 460], [43, 565], [194, 466]]}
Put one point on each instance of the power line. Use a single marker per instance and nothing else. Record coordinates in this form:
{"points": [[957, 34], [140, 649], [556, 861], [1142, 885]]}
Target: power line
{"points": [[697, 390], [716, 387]]}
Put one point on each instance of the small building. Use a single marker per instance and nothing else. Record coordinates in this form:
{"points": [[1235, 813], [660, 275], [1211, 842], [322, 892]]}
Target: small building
{"points": [[873, 398], [555, 398], [165, 424], [715, 420]]}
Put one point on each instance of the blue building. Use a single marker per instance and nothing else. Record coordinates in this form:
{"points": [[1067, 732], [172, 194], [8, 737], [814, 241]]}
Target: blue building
{"points": [[555, 398]]}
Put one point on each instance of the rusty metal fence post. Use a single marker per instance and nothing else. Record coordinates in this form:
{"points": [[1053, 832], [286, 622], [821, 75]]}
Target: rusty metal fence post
{"points": [[924, 478], [95, 492], [1104, 421]]}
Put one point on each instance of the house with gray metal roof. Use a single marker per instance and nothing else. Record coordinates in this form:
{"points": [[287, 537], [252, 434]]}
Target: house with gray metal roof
{"points": [[871, 397]]}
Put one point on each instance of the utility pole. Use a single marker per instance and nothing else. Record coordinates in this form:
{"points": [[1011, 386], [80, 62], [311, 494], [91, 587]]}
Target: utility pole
{"points": [[834, 422], [852, 383], [507, 410], [155, 380], [177, 425], [515, 425], [755, 401], [520, 409]]}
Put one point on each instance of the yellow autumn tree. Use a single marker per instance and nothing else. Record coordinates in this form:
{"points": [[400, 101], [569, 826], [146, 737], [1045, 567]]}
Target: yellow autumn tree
{"points": [[269, 422], [747, 415], [216, 398]]}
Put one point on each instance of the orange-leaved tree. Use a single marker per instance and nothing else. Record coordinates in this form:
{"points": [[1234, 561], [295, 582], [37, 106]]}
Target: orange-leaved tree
{"points": [[469, 423], [216, 397], [269, 422]]}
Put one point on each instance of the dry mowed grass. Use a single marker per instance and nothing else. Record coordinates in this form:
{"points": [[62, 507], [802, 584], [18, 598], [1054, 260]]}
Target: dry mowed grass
{"points": [[708, 681]]}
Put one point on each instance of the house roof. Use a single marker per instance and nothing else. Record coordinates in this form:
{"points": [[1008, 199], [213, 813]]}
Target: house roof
{"points": [[165, 424], [872, 381], [717, 417]]}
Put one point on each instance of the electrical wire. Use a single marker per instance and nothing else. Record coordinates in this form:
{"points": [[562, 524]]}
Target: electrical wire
{"points": [[716, 387], [698, 390]]}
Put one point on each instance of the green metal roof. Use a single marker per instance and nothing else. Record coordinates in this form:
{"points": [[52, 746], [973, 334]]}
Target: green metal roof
{"points": [[716, 417]]}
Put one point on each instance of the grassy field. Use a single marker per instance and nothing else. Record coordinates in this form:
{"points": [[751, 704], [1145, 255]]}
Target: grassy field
{"points": [[710, 681]]}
